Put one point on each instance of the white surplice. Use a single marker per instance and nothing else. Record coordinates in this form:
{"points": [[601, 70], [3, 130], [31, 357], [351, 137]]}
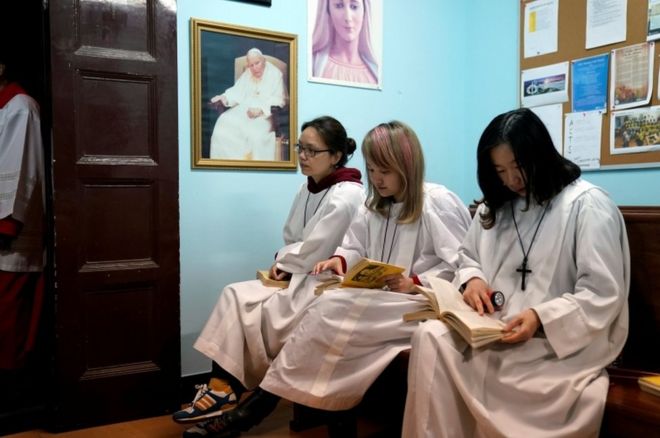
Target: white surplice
{"points": [[22, 183], [251, 322], [235, 134], [553, 384], [348, 336]]}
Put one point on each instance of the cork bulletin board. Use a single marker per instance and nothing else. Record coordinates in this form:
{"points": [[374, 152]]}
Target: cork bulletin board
{"points": [[572, 19]]}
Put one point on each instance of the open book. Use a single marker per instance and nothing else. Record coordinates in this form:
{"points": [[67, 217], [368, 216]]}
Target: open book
{"points": [[267, 281], [369, 274], [446, 303], [366, 273]]}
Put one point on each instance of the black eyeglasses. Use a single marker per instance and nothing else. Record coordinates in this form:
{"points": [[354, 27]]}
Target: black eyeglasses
{"points": [[309, 152]]}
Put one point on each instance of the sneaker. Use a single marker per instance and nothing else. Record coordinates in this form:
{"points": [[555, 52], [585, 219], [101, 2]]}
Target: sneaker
{"points": [[210, 401], [211, 428]]}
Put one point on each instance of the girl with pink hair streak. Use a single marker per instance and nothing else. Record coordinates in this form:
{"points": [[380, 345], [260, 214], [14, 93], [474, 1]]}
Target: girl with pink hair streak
{"points": [[341, 42], [347, 337]]}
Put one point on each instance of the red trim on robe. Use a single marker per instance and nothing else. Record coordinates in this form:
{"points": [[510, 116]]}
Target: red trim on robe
{"points": [[8, 92], [10, 226], [21, 293], [343, 263], [21, 302]]}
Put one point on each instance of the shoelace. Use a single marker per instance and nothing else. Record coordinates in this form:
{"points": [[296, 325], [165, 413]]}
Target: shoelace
{"points": [[201, 390]]}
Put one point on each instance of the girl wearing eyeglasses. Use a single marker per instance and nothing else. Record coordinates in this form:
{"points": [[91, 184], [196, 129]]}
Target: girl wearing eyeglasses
{"points": [[251, 321]]}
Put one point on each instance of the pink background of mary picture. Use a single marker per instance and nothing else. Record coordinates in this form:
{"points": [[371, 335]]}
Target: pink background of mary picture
{"points": [[345, 42]]}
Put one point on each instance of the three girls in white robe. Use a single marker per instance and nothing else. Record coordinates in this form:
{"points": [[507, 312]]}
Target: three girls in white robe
{"points": [[570, 320], [250, 321], [348, 336]]}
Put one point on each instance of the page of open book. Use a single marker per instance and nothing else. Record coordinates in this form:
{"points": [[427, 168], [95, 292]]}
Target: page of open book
{"points": [[449, 299]]}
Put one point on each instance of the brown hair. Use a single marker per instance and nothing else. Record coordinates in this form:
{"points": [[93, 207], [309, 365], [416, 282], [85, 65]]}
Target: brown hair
{"points": [[395, 146]]}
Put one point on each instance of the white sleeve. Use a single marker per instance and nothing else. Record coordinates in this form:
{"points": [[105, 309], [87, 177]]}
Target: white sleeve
{"points": [[321, 241], [468, 252], [21, 157], [293, 229], [236, 93], [444, 223], [275, 90], [354, 245], [571, 322]]}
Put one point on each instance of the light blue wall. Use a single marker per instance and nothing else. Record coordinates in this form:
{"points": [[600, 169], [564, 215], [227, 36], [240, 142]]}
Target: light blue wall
{"points": [[231, 221], [491, 72], [449, 67], [491, 78]]}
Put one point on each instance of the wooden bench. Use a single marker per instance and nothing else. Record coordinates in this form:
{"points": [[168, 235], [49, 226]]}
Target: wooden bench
{"points": [[629, 411]]}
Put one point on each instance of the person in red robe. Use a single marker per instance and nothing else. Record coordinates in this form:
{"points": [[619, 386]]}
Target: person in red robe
{"points": [[21, 221]]}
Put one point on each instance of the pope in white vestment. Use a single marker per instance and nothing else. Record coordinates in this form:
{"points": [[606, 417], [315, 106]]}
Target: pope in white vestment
{"points": [[554, 384], [250, 321], [244, 131], [348, 336]]}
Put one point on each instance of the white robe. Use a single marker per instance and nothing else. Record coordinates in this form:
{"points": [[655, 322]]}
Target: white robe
{"points": [[21, 183], [553, 384], [251, 322], [348, 336], [235, 135]]}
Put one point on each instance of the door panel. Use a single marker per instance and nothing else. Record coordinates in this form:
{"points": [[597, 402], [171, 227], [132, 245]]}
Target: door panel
{"points": [[115, 195]]}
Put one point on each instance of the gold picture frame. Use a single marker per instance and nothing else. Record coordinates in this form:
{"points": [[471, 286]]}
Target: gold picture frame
{"points": [[254, 125]]}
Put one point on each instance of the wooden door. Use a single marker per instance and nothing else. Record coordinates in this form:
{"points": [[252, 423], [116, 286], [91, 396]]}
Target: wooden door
{"points": [[115, 200]]}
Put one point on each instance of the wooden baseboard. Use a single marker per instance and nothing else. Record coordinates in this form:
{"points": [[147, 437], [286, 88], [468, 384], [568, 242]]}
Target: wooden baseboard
{"points": [[22, 419]]}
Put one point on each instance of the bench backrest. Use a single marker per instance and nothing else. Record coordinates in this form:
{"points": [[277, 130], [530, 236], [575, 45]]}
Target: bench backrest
{"points": [[641, 351]]}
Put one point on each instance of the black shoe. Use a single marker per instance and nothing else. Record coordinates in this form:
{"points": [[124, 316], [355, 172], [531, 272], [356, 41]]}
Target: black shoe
{"points": [[342, 424], [211, 428], [252, 411]]}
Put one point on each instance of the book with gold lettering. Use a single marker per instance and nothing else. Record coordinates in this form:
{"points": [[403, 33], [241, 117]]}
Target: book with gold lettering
{"points": [[369, 274], [446, 303], [366, 273]]}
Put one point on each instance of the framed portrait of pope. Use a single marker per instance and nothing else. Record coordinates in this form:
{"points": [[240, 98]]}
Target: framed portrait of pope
{"points": [[243, 97]]}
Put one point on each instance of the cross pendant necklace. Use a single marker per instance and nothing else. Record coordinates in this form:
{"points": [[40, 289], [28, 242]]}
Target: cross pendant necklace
{"points": [[523, 269]]}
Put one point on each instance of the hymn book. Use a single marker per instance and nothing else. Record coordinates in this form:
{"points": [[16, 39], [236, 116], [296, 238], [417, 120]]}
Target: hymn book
{"points": [[269, 282], [366, 273], [650, 384], [369, 274], [445, 302]]}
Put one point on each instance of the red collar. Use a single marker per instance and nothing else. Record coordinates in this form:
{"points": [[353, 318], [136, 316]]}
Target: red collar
{"points": [[8, 92], [339, 175]]}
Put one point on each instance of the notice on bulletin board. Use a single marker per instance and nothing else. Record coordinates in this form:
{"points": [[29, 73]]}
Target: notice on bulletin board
{"points": [[540, 27], [589, 91], [582, 138], [635, 131], [544, 85]]}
